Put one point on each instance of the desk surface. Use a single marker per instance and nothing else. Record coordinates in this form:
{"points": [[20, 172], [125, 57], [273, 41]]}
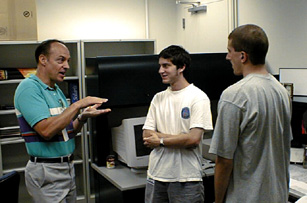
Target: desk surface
{"points": [[298, 181], [124, 179]]}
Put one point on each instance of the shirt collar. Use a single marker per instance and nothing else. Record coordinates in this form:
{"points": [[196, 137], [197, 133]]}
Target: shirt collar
{"points": [[34, 77]]}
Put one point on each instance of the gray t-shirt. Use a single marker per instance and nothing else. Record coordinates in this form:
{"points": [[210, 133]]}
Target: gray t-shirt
{"points": [[253, 128]]}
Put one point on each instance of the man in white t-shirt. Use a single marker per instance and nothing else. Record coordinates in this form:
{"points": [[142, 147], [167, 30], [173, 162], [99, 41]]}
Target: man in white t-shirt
{"points": [[175, 123]]}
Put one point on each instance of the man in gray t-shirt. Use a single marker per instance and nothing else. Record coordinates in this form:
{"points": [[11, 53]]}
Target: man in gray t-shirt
{"points": [[252, 134]]}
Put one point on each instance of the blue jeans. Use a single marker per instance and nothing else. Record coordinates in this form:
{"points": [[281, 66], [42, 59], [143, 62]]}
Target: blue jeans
{"points": [[174, 192]]}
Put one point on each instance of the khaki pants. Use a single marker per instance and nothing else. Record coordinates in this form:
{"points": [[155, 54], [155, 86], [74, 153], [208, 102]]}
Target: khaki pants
{"points": [[51, 182]]}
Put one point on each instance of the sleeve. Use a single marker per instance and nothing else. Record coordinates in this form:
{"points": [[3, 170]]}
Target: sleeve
{"points": [[226, 131], [201, 116], [150, 123], [32, 105]]}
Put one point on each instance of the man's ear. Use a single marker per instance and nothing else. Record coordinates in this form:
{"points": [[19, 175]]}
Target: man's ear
{"points": [[42, 59], [244, 56], [182, 69]]}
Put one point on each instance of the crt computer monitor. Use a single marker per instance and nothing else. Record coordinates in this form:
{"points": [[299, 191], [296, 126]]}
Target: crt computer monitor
{"points": [[127, 141]]}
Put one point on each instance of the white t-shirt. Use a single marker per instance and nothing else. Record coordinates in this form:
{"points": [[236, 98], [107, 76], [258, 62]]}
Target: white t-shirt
{"points": [[176, 112]]}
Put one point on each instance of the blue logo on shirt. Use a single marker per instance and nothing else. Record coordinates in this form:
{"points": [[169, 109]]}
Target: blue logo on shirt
{"points": [[185, 113]]}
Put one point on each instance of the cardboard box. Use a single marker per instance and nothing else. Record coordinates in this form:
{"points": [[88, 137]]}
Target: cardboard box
{"points": [[18, 20]]}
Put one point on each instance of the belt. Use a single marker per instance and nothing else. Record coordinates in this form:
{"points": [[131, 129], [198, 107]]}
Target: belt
{"points": [[52, 160]]}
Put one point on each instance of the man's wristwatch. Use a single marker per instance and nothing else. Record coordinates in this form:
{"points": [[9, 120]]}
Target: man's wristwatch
{"points": [[161, 142], [79, 119]]}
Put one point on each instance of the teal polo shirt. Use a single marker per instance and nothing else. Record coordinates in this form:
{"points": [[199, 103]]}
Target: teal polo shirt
{"points": [[35, 101]]}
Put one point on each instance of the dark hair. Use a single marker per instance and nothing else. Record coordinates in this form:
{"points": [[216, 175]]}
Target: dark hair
{"points": [[252, 40], [44, 48], [178, 56]]}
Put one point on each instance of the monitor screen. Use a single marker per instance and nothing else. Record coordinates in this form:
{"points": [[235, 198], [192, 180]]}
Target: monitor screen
{"points": [[299, 124], [129, 80], [212, 73], [141, 149]]}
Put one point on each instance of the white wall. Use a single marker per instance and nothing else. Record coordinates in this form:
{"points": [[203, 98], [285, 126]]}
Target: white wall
{"points": [[107, 19], [91, 19], [163, 23], [126, 19], [205, 31], [284, 22]]}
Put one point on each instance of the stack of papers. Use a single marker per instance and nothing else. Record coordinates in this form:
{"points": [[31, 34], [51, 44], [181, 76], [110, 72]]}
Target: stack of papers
{"points": [[302, 200], [298, 186]]}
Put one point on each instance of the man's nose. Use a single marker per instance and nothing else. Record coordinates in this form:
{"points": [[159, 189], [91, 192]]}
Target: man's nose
{"points": [[161, 69], [66, 65]]}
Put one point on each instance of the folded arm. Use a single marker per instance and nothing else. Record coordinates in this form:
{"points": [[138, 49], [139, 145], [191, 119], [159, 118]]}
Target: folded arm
{"points": [[189, 140]]}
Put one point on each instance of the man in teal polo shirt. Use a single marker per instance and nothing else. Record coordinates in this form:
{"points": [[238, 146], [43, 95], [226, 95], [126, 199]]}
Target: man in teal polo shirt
{"points": [[48, 126]]}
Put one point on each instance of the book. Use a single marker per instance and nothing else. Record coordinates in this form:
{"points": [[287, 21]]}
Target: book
{"points": [[16, 73], [26, 72], [73, 91]]}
